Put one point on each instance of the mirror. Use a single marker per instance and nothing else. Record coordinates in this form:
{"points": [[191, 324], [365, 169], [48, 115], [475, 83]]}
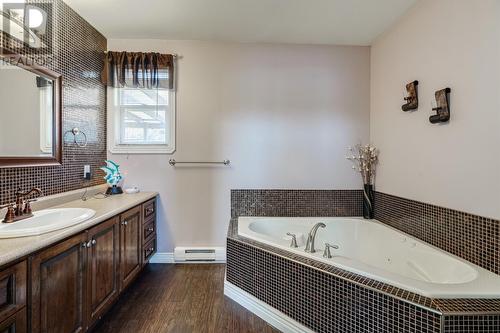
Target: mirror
{"points": [[30, 126]]}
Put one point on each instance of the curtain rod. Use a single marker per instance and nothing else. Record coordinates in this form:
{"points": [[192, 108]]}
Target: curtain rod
{"points": [[173, 55]]}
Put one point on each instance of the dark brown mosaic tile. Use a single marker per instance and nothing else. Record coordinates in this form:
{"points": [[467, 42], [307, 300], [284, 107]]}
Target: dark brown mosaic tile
{"points": [[323, 302], [296, 203], [360, 280], [299, 203], [471, 324], [76, 53], [472, 237], [440, 306], [467, 306], [272, 270]]}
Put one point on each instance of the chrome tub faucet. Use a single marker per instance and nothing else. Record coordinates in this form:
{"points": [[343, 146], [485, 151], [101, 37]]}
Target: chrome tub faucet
{"points": [[327, 253], [312, 236], [294, 239]]}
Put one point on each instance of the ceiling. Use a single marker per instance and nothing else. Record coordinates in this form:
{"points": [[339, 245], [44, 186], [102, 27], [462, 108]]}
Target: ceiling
{"points": [[341, 22]]}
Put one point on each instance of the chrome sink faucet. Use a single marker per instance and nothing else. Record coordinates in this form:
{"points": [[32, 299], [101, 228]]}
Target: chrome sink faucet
{"points": [[312, 236]]}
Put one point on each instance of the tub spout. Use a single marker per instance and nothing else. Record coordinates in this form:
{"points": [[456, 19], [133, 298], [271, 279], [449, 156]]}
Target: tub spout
{"points": [[312, 236]]}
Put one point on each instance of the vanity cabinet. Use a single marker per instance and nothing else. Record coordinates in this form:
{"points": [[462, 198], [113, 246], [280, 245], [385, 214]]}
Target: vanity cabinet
{"points": [[15, 324], [131, 249], [103, 253], [58, 287], [13, 285], [71, 284]]}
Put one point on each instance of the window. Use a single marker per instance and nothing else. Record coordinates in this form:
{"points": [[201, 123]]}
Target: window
{"points": [[141, 121]]}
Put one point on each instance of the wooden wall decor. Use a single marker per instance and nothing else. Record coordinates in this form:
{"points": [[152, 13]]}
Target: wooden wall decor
{"points": [[412, 97], [442, 108]]}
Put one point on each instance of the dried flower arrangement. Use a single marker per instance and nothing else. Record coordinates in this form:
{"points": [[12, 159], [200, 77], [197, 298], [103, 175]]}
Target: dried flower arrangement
{"points": [[364, 158]]}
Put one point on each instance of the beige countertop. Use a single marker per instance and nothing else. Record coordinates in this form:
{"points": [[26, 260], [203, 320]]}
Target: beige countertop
{"points": [[12, 249]]}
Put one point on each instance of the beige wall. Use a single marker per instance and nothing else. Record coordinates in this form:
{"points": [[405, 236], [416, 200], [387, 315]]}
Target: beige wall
{"points": [[284, 115], [454, 43]]}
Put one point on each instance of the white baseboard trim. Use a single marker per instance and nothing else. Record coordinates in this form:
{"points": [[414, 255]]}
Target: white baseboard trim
{"points": [[168, 258], [269, 314]]}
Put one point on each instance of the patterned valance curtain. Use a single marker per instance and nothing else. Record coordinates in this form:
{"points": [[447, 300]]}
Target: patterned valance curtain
{"points": [[138, 70]]}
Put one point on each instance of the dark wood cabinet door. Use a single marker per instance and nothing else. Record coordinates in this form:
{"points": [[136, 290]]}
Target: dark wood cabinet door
{"points": [[102, 268], [15, 324], [130, 245], [58, 287], [12, 289]]}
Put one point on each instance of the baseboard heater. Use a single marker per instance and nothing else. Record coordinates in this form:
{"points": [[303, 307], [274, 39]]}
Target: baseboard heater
{"points": [[199, 254]]}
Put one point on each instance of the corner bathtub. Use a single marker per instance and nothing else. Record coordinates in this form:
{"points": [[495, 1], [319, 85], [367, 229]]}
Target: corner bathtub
{"points": [[379, 252]]}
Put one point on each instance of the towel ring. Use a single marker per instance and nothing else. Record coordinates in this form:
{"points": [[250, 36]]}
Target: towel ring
{"points": [[76, 131]]}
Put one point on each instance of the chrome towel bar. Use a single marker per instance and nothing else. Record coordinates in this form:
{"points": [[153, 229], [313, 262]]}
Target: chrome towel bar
{"points": [[173, 162]]}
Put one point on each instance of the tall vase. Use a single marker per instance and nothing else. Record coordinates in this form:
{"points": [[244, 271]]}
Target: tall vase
{"points": [[368, 201]]}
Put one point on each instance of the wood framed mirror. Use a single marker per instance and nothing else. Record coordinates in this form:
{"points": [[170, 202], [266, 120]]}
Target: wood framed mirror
{"points": [[30, 113]]}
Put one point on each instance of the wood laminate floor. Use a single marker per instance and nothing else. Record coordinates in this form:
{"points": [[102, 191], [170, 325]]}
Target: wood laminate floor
{"points": [[180, 299]]}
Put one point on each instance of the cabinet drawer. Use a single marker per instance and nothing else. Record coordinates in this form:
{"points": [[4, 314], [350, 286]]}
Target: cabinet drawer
{"points": [[12, 289], [15, 324], [149, 231], [149, 210], [149, 249]]}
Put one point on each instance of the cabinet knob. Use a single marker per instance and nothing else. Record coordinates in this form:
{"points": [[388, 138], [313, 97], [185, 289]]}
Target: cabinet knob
{"points": [[124, 223], [151, 229], [94, 242]]}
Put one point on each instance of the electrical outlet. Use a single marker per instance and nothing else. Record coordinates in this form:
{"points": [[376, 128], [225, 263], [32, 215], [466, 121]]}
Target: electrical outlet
{"points": [[86, 172]]}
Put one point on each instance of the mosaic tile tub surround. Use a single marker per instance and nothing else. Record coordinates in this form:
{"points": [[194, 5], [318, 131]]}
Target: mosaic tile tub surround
{"points": [[320, 301], [471, 237], [76, 52], [353, 303], [326, 299], [296, 203]]}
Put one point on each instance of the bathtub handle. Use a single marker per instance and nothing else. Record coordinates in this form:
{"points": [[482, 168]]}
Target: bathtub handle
{"points": [[327, 253], [294, 239]]}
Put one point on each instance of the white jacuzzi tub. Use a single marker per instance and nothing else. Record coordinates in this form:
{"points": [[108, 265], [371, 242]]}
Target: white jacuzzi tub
{"points": [[379, 252]]}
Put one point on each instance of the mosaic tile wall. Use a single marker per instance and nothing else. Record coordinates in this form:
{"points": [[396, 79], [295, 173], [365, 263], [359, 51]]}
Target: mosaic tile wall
{"points": [[471, 324], [76, 53], [296, 203], [472, 237], [320, 301]]}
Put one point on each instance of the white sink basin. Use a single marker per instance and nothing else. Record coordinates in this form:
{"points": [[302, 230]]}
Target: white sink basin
{"points": [[44, 221]]}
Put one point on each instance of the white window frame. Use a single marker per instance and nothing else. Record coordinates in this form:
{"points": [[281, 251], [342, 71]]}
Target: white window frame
{"points": [[113, 117]]}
